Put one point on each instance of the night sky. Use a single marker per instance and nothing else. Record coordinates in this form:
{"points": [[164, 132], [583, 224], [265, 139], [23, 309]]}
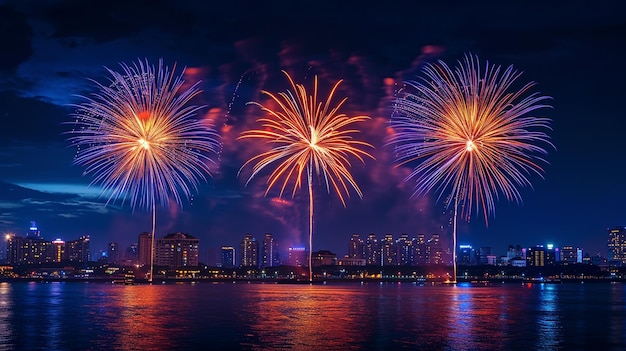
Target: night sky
{"points": [[574, 50]]}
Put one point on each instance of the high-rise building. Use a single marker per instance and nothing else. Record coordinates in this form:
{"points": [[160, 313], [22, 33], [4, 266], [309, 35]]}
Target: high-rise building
{"points": [[29, 250], [144, 249], [33, 231], [356, 249], [466, 255], [298, 257], [403, 251], [113, 253], [269, 252], [249, 251], [132, 254], [228, 257], [540, 256], [418, 246], [434, 252], [58, 250], [78, 250], [372, 250], [616, 245], [570, 255], [177, 250], [388, 251]]}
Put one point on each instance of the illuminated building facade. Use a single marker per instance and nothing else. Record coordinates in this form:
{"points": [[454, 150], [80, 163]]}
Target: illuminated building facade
{"points": [[58, 250], [434, 252], [616, 245], [249, 251], [144, 245], [372, 250], [323, 258], [540, 256], [177, 250], [298, 257], [388, 251], [466, 255], [570, 255], [269, 252], [33, 249], [404, 256], [356, 248], [78, 250], [418, 246], [227, 256]]}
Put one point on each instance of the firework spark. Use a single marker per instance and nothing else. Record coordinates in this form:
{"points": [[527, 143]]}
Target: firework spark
{"points": [[475, 137], [307, 135], [138, 139]]}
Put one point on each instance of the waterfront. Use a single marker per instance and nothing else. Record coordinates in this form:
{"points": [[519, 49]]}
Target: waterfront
{"points": [[342, 316]]}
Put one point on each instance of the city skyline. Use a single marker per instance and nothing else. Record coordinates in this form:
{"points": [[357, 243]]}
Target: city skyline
{"points": [[570, 50], [268, 252]]}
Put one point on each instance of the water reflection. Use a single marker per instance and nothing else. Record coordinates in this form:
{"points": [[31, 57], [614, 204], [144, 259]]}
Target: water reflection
{"points": [[6, 329], [303, 317], [45, 316], [548, 318]]}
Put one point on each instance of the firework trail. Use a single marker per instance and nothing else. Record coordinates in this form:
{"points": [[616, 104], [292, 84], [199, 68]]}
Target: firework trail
{"points": [[307, 137], [138, 139], [471, 133]]}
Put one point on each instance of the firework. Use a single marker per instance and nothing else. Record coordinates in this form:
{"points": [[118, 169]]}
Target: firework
{"points": [[307, 137], [138, 139], [472, 135]]}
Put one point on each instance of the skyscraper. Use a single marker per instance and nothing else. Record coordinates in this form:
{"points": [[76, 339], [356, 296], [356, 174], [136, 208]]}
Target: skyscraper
{"points": [[249, 251], [388, 251], [113, 253], [434, 252], [356, 249], [144, 249], [228, 257], [177, 250], [372, 250], [616, 245], [269, 252], [78, 250], [403, 251], [419, 250], [58, 250]]}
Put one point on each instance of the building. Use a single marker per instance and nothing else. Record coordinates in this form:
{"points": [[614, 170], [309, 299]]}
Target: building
{"points": [[388, 251], [540, 256], [418, 247], [372, 250], [144, 249], [78, 250], [176, 251], [404, 251], [249, 251], [349, 261], [323, 258], [132, 254], [113, 253], [269, 252], [616, 245], [434, 252], [58, 250], [227, 257], [29, 250], [34, 249], [356, 248], [298, 257], [466, 256], [570, 255]]}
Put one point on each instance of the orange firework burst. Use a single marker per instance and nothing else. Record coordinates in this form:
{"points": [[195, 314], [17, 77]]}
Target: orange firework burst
{"points": [[474, 135], [307, 135]]}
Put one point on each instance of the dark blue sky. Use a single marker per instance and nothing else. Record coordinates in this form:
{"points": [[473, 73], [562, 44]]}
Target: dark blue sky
{"points": [[573, 50]]}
